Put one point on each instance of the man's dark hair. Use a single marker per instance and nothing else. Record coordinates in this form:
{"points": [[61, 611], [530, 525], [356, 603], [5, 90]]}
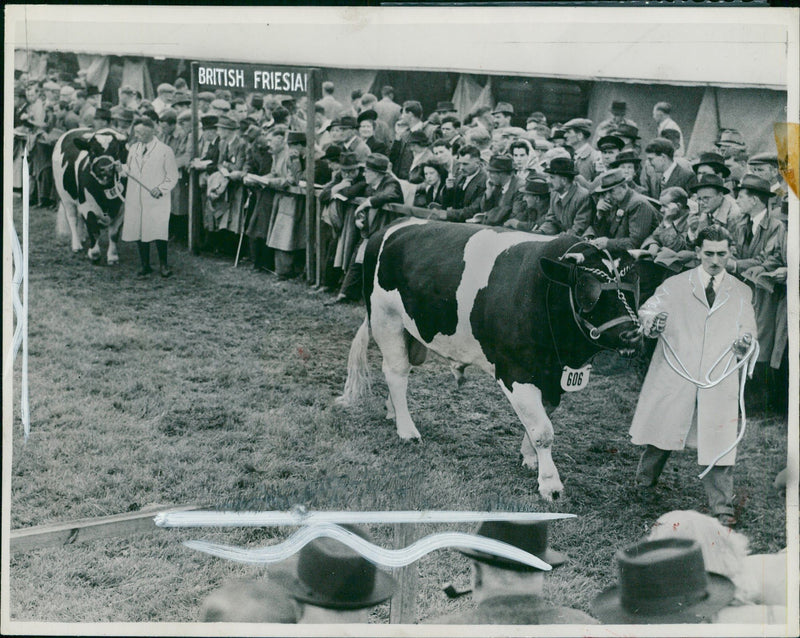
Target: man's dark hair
{"points": [[387, 91], [452, 119], [481, 110], [714, 232], [673, 136], [356, 94], [280, 115], [413, 107], [471, 150], [144, 121], [661, 146], [439, 142], [664, 107], [519, 144]]}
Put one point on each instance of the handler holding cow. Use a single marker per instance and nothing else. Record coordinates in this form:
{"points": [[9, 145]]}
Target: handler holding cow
{"points": [[704, 321], [152, 174]]}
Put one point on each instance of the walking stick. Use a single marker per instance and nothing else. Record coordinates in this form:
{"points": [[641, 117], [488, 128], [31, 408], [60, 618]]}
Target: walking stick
{"points": [[243, 219]]}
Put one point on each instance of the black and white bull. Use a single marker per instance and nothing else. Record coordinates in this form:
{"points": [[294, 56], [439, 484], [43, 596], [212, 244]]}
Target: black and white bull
{"points": [[518, 305], [88, 183]]}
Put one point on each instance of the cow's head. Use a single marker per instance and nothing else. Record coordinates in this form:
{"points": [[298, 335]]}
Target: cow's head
{"points": [[105, 148], [603, 294]]}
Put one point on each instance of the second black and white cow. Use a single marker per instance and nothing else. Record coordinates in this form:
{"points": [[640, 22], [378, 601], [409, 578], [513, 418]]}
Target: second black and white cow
{"points": [[88, 184], [519, 306]]}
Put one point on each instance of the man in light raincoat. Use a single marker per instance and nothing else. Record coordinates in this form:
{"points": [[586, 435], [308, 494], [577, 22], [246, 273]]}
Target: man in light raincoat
{"points": [[706, 317]]}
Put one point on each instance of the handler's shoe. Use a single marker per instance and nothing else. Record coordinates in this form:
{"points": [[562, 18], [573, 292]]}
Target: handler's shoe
{"points": [[144, 273], [165, 272]]}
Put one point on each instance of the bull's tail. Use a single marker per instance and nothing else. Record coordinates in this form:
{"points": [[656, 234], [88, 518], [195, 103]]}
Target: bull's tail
{"points": [[359, 383]]}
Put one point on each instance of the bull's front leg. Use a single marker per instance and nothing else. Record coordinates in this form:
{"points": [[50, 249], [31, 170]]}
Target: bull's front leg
{"points": [[93, 229], [526, 399], [114, 231]]}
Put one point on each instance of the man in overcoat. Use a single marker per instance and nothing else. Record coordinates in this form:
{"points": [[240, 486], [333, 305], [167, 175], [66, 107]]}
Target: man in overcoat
{"points": [[705, 316], [152, 174]]}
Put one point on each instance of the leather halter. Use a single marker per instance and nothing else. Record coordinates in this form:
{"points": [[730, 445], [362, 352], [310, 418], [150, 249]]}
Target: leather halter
{"points": [[614, 283]]}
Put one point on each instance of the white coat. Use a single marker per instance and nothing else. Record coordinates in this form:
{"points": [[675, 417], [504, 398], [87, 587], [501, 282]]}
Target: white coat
{"points": [[147, 218], [672, 412]]}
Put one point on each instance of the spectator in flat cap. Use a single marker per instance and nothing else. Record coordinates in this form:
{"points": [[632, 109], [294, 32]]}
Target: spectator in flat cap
{"points": [[502, 191], [588, 161], [165, 94], [663, 582], [535, 203], [571, 206], [511, 593], [333, 583], [609, 147], [662, 115], [618, 113], [666, 171], [219, 106], [249, 600], [380, 187], [623, 218], [464, 189], [387, 109], [223, 94], [182, 101], [344, 132], [502, 114], [672, 232], [204, 100], [537, 117], [765, 166], [366, 131]]}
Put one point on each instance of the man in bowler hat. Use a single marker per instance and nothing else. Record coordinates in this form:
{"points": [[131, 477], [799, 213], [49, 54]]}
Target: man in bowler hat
{"points": [[571, 207], [511, 593]]}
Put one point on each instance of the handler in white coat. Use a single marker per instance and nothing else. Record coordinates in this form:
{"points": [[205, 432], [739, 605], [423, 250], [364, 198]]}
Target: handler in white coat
{"points": [[702, 313], [152, 174]]}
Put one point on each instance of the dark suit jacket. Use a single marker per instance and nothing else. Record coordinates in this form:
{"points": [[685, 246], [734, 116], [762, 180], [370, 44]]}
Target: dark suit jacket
{"points": [[571, 215], [498, 207], [424, 197], [464, 202], [681, 176], [628, 224]]}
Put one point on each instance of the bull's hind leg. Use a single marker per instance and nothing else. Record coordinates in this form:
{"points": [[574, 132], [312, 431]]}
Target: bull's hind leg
{"points": [[526, 399], [389, 334], [71, 213], [114, 231]]}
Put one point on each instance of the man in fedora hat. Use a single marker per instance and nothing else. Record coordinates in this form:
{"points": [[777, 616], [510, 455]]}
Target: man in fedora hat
{"points": [[624, 218], [333, 583], [714, 205], [765, 166], [446, 108], [502, 114], [536, 203], [121, 119], [344, 132], [629, 162], [663, 582], [510, 593], [759, 246], [571, 205], [502, 192], [588, 161], [618, 112], [701, 314]]}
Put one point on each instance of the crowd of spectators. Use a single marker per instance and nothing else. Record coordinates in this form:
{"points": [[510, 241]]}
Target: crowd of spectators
{"points": [[549, 178]]}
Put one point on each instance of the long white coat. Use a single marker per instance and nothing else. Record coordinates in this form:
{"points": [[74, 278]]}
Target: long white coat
{"points": [[147, 218], [672, 412]]}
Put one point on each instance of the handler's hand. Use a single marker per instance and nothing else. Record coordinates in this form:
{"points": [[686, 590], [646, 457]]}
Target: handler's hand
{"points": [[659, 323], [599, 242], [741, 345], [154, 192]]}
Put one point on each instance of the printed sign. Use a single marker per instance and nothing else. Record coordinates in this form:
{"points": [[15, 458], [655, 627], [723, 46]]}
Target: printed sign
{"points": [[573, 380], [250, 77]]}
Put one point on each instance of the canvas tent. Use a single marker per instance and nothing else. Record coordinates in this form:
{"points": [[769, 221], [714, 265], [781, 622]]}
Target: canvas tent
{"points": [[716, 72]]}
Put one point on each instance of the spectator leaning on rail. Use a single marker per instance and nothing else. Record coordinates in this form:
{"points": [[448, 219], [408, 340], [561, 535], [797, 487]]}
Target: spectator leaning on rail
{"points": [[624, 218], [502, 193], [510, 593], [699, 315], [571, 206], [464, 188], [536, 197]]}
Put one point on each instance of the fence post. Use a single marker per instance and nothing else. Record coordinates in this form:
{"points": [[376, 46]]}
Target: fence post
{"points": [[403, 608], [312, 234]]}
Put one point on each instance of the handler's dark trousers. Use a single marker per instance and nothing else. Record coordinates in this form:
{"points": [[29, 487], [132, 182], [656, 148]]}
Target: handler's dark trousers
{"points": [[718, 483]]}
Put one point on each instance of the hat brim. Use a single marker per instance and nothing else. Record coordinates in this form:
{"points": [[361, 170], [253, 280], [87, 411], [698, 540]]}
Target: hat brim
{"points": [[550, 556], [608, 609], [618, 163], [717, 166], [603, 189], [751, 188], [571, 173], [720, 187], [384, 589]]}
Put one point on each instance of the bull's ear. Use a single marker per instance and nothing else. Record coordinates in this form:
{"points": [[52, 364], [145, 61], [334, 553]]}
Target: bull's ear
{"points": [[557, 271], [82, 143]]}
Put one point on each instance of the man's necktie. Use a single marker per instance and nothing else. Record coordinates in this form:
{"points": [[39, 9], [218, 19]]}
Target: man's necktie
{"points": [[748, 234], [710, 294]]}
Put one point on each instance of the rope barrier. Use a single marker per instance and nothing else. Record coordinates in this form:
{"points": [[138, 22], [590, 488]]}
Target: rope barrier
{"points": [[751, 355]]}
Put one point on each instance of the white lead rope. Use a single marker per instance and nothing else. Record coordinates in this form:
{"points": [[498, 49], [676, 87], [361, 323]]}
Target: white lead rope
{"points": [[750, 356]]}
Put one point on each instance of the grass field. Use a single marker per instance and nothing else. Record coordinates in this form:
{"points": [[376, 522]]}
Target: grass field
{"points": [[216, 388]]}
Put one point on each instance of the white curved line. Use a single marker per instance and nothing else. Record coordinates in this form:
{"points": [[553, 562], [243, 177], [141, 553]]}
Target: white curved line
{"points": [[300, 516], [373, 553]]}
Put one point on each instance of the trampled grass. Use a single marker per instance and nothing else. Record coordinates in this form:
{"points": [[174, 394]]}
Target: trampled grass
{"points": [[216, 388]]}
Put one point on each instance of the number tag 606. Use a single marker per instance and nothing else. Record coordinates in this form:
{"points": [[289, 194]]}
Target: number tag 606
{"points": [[573, 380]]}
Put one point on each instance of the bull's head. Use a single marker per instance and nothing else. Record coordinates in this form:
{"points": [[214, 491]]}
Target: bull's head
{"points": [[105, 148], [603, 294]]}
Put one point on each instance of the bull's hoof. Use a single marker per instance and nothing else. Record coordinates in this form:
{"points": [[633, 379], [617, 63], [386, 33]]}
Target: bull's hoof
{"points": [[414, 436], [342, 401], [550, 490], [113, 262]]}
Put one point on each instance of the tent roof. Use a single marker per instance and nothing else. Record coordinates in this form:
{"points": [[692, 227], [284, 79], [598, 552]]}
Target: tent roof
{"points": [[721, 47]]}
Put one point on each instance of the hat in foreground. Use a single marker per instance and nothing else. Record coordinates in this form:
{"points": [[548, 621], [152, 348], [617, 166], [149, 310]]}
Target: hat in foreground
{"points": [[530, 537], [332, 575], [610, 179], [663, 581], [377, 162]]}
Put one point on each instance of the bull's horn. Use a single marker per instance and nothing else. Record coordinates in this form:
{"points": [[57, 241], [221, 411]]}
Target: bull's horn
{"points": [[578, 258]]}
